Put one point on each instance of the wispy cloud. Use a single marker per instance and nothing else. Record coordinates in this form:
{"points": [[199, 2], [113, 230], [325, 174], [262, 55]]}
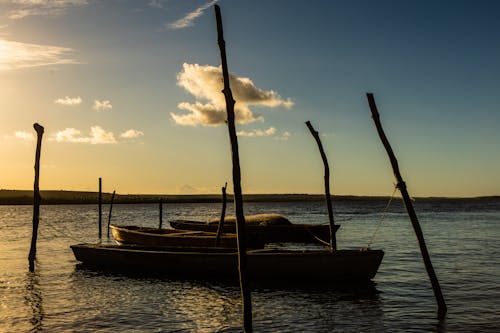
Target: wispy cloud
{"points": [[284, 136], [69, 101], [205, 83], [131, 134], [155, 3], [188, 19], [258, 132], [25, 8], [97, 135], [103, 105], [25, 136], [17, 55]]}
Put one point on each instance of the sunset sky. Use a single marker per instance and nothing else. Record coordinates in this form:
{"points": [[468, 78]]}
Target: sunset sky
{"points": [[129, 91]]}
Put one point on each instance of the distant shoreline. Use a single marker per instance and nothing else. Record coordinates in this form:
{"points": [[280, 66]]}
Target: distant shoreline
{"points": [[25, 197]]}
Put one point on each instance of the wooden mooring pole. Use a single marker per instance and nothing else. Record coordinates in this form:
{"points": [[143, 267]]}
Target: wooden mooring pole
{"points": [[328, 197], [222, 216], [409, 208], [238, 197], [111, 209], [100, 207], [161, 213], [36, 197]]}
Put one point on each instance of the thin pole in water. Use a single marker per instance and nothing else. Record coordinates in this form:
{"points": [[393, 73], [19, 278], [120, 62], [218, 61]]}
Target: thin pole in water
{"points": [[100, 207], [238, 197], [36, 197], [442, 309], [328, 197], [161, 213], [110, 210], [222, 216]]}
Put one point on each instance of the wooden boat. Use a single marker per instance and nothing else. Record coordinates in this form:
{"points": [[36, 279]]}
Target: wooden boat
{"points": [[273, 228], [170, 237], [262, 265]]}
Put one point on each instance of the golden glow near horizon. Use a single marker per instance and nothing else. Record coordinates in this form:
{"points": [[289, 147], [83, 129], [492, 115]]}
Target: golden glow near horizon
{"points": [[134, 98]]}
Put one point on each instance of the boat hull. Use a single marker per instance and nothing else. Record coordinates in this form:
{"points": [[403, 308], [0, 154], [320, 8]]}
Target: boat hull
{"points": [[262, 265], [294, 233], [145, 236]]}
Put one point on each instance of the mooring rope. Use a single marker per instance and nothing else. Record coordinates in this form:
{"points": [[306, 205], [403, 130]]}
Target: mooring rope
{"points": [[59, 232], [384, 213]]}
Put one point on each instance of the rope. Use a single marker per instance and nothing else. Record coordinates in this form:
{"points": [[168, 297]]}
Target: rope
{"points": [[384, 213], [61, 233]]}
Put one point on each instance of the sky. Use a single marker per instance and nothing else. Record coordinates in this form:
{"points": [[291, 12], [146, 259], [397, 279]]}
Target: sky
{"points": [[130, 91]]}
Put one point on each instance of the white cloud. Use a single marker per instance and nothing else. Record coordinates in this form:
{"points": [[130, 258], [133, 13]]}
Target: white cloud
{"points": [[70, 101], [189, 18], [97, 135], [102, 105], [17, 55], [25, 8], [25, 136], [205, 83], [258, 132], [284, 136], [131, 134], [155, 4]]}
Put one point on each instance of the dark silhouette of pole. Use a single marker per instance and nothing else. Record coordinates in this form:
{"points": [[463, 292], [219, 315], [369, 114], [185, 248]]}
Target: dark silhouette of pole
{"points": [[238, 198], [161, 213], [409, 208], [110, 210], [328, 197], [100, 207], [36, 197], [222, 216]]}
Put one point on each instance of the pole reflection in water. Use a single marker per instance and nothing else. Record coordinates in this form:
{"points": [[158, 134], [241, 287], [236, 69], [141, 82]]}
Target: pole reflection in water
{"points": [[33, 298]]}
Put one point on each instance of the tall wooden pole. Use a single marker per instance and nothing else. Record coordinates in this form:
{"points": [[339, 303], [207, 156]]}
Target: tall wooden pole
{"points": [[222, 216], [409, 208], [333, 238], [111, 209], [36, 197], [238, 198], [100, 207]]}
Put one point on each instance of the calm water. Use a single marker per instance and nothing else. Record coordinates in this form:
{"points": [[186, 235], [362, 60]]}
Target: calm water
{"points": [[462, 237]]}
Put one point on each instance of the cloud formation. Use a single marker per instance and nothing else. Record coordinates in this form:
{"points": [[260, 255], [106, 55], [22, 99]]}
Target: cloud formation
{"points": [[97, 135], [205, 83], [69, 101], [188, 19], [25, 8], [103, 105], [131, 134], [25, 136], [258, 132], [17, 55]]}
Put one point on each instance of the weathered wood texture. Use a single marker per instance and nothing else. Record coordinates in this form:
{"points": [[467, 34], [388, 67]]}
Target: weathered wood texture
{"points": [[238, 197], [409, 208], [328, 197], [36, 197], [220, 227]]}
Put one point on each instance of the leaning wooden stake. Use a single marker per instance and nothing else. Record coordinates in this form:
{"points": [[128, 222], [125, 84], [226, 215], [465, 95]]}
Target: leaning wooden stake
{"points": [[110, 210], [333, 238], [409, 207], [100, 208], [222, 216], [36, 198], [238, 198]]}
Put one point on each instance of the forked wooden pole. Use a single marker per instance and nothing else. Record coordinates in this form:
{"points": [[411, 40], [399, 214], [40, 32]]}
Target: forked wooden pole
{"points": [[238, 198], [36, 197], [222, 216], [409, 208], [111, 210], [328, 197]]}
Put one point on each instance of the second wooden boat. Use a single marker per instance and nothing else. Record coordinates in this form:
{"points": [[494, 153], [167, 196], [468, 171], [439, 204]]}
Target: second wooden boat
{"points": [[176, 238], [272, 228]]}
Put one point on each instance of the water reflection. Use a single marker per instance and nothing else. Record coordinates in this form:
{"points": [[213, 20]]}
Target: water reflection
{"points": [[33, 298]]}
